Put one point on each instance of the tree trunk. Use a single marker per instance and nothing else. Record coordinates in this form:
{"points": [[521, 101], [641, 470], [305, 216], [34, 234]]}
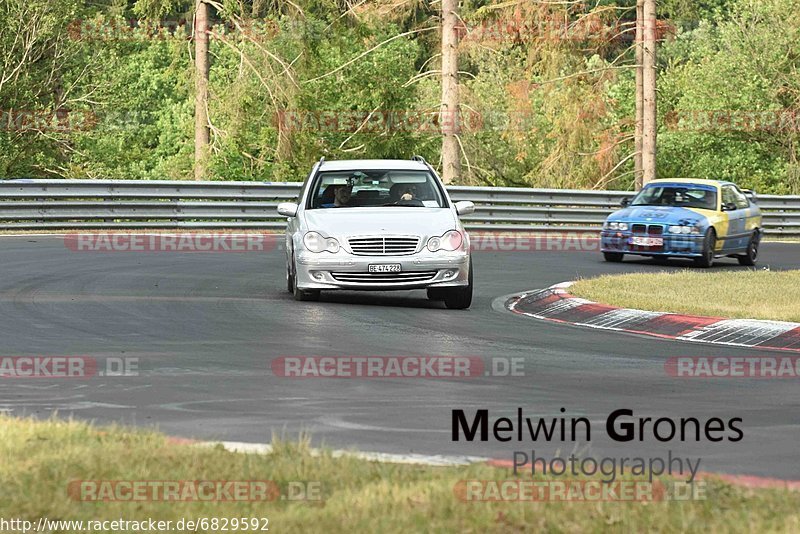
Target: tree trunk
{"points": [[201, 63], [450, 117], [649, 92], [637, 165]]}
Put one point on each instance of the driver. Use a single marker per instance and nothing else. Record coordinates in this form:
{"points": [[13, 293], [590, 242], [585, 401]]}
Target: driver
{"points": [[400, 192], [409, 193]]}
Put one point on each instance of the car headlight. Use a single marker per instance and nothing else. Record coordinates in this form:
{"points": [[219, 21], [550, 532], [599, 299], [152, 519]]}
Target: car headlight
{"points": [[617, 226], [316, 242], [450, 241], [679, 229]]}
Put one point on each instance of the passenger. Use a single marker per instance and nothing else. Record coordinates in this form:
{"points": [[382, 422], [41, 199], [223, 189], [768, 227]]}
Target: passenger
{"points": [[341, 196]]}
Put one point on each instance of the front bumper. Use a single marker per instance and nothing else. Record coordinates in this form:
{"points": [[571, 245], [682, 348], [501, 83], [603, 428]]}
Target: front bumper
{"points": [[347, 271], [678, 245]]}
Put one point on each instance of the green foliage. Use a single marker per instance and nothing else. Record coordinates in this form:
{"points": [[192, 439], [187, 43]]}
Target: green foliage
{"points": [[539, 111], [144, 110], [741, 72]]}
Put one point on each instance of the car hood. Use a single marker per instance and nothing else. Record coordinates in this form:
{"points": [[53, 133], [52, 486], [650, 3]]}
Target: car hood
{"points": [[660, 214], [344, 222]]}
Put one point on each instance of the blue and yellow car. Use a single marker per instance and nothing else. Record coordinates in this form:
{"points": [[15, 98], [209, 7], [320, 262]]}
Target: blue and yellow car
{"points": [[685, 218]]}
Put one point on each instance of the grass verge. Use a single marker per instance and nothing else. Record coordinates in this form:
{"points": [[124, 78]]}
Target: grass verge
{"points": [[772, 295], [41, 458]]}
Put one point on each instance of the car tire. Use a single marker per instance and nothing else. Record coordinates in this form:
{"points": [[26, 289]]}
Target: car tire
{"points": [[613, 257], [303, 294], [436, 293], [460, 298], [709, 245], [751, 257], [306, 294], [289, 278]]}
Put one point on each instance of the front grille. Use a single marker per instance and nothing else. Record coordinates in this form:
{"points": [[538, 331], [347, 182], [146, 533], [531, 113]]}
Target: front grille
{"points": [[652, 229], [385, 278], [383, 246]]}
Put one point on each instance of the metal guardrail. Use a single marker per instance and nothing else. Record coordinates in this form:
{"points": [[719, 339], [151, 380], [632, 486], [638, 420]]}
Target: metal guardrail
{"points": [[141, 204]]}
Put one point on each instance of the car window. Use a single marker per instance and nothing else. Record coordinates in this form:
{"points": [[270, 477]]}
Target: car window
{"points": [[729, 196], [741, 199], [375, 188], [677, 195]]}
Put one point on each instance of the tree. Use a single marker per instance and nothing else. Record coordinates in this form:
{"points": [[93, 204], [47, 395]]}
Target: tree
{"points": [[731, 96], [451, 116], [638, 127], [201, 62], [649, 110]]}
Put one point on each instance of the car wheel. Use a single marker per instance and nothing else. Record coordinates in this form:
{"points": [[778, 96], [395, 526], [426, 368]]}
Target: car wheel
{"points": [[436, 293], [751, 257], [306, 294], [460, 298], [613, 257], [302, 294], [289, 278], [709, 244]]}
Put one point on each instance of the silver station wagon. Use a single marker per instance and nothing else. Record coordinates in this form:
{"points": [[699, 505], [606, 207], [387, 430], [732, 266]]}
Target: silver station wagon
{"points": [[377, 225]]}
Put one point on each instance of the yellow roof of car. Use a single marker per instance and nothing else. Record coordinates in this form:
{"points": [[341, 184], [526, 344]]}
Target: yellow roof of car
{"points": [[688, 181]]}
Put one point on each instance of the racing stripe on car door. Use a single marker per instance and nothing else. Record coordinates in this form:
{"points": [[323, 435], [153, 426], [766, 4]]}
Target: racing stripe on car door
{"points": [[721, 223]]}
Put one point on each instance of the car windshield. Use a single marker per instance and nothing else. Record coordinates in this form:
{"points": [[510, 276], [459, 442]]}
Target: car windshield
{"points": [[376, 188], [683, 196]]}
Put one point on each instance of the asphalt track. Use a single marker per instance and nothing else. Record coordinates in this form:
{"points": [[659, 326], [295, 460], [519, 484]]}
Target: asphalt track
{"points": [[206, 327]]}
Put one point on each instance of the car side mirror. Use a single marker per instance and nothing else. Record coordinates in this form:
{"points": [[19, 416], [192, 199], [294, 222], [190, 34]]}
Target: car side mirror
{"points": [[465, 207], [625, 202], [287, 209], [729, 206]]}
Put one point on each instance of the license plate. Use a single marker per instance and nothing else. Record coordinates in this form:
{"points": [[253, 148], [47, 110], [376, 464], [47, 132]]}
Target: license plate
{"points": [[647, 241], [386, 268]]}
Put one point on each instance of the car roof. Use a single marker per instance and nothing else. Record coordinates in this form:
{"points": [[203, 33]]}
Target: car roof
{"points": [[373, 164], [699, 181]]}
